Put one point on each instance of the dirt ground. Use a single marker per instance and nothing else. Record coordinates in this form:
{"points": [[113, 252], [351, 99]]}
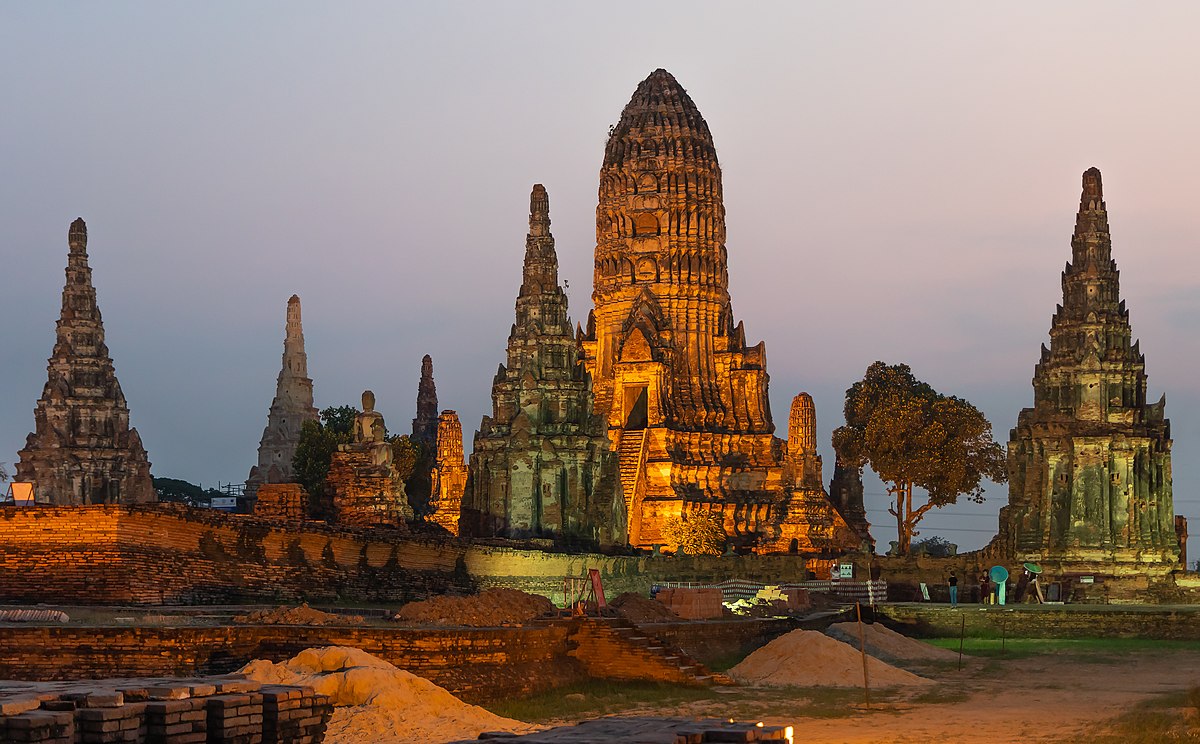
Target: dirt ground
{"points": [[1059, 696]]}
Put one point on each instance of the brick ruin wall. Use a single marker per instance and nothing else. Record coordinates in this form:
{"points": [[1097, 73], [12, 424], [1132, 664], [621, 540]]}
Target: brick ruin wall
{"points": [[932, 621], [467, 661], [170, 554]]}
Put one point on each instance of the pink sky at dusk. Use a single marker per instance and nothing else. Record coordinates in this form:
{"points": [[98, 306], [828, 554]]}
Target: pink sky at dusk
{"points": [[900, 180]]}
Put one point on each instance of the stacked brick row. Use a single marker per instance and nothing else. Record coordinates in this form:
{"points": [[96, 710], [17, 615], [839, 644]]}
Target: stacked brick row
{"points": [[228, 712], [693, 604]]}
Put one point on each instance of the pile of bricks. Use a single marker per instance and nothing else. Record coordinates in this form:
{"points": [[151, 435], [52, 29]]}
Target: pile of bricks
{"points": [[693, 604], [214, 711]]}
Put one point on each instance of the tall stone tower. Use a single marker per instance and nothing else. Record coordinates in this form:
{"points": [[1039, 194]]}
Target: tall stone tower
{"points": [[684, 396], [1090, 463], [541, 463], [425, 425], [291, 407], [83, 450], [449, 473]]}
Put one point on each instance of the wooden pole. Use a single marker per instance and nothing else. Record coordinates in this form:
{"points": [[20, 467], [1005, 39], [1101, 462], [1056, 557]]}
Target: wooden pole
{"points": [[862, 642], [962, 633], [1003, 637]]}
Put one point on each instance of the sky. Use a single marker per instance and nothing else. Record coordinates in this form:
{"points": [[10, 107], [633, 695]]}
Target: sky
{"points": [[900, 182]]}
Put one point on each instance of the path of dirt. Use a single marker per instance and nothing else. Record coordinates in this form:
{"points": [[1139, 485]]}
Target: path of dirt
{"points": [[1053, 697]]}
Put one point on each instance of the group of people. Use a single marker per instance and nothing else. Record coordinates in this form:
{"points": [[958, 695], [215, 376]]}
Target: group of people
{"points": [[991, 592]]}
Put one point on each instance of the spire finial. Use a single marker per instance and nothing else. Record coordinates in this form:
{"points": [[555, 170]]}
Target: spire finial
{"points": [[539, 211], [1093, 190], [77, 235]]}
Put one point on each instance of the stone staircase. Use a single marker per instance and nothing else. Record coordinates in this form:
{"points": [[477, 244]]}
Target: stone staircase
{"points": [[614, 648], [629, 456]]}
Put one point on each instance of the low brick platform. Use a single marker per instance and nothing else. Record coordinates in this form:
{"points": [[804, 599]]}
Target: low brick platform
{"points": [[1175, 622], [215, 710], [648, 730]]}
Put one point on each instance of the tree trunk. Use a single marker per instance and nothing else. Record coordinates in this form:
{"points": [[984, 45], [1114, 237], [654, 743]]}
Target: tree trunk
{"points": [[902, 490]]}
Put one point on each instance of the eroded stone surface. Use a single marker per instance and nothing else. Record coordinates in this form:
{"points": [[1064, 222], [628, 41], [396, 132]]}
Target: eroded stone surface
{"points": [[83, 450], [449, 476], [541, 463], [367, 488], [1090, 463], [683, 394], [291, 407]]}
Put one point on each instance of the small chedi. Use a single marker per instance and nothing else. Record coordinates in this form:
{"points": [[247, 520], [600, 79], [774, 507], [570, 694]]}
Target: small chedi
{"points": [[448, 478], [291, 407], [367, 489], [541, 464], [82, 449], [1090, 463], [684, 396]]}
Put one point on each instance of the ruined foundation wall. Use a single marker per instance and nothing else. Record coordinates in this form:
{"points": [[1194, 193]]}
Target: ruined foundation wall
{"points": [[169, 554], [466, 661]]}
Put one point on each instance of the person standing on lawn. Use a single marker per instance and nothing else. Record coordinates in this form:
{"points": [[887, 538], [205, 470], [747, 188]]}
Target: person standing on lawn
{"points": [[953, 581]]}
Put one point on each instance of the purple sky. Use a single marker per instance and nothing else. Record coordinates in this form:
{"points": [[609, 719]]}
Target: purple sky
{"points": [[900, 179]]}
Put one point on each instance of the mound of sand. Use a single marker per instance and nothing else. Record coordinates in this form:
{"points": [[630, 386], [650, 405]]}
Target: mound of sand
{"points": [[376, 703], [488, 608], [806, 658], [885, 643], [302, 615], [640, 609]]}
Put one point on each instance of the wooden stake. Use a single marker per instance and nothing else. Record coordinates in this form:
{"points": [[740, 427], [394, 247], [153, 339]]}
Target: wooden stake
{"points": [[962, 633], [862, 642]]}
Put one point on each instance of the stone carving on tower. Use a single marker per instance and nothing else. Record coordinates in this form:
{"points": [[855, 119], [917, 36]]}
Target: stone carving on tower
{"points": [[541, 465], [82, 449], [291, 407], [367, 488], [684, 396], [1090, 463]]}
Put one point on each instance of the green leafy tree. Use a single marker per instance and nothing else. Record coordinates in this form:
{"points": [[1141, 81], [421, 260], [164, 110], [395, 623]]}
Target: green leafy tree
{"points": [[406, 453], [318, 441], [3, 473], [698, 533], [176, 491], [914, 437]]}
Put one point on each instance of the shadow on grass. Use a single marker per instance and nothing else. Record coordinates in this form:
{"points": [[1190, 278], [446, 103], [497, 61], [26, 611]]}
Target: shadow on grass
{"points": [[597, 698]]}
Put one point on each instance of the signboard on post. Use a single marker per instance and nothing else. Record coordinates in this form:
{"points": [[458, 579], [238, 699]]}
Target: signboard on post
{"points": [[924, 591], [845, 570]]}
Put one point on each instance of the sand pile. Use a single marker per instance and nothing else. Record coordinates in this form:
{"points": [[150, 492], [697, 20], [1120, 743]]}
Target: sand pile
{"points": [[302, 615], [639, 609], [885, 643], [376, 703], [806, 658], [488, 608]]}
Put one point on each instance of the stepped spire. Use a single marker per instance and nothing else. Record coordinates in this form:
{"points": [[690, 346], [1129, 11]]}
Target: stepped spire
{"points": [[540, 272], [541, 463], [670, 364], [83, 450], [290, 408], [1093, 460], [424, 426]]}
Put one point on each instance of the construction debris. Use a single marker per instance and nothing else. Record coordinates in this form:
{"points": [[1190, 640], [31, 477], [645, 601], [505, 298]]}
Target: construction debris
{"points": [[807, 658], [641, 609], [489, 608], [302, 615], [693, 604]]}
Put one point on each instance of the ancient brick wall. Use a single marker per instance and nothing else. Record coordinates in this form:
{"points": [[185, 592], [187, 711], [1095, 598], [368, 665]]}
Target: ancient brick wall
{"points": [[463, 660], [1046, 622], [169, 554]]}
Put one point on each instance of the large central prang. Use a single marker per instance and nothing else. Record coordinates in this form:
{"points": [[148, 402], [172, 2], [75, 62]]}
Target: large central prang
{"points": [[684, 396], [1090, 463]]}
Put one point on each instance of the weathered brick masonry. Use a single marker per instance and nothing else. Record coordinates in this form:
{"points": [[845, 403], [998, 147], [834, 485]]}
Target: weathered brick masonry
{"points": [[169, 554]]}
